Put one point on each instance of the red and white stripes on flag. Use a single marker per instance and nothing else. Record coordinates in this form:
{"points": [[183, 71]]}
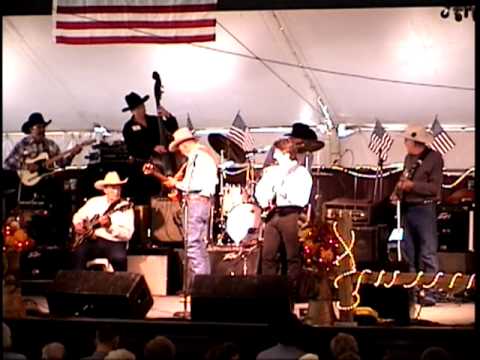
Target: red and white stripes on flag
{"points": [[380, 141], [240, 134], [442, 142], [87, 22]]}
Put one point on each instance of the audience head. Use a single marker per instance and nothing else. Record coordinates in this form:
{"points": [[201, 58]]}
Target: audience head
{"points": [[343, 343], [120, 354], [7, 337], [349, 355], [53, 351], [435, 353], [309, 356], [226, 351], [107, 337], [287, 329], [159, 347]]}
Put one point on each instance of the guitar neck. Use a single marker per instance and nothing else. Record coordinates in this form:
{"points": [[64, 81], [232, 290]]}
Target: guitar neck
{"points": [[67, 152]]}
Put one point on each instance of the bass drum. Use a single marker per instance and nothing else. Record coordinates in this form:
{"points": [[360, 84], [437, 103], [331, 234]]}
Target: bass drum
{"points": [[243, 222]]}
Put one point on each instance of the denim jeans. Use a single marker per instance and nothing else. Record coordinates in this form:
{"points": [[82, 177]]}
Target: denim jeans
{"points": [[421, 238], [114, 251], [196, 231]]}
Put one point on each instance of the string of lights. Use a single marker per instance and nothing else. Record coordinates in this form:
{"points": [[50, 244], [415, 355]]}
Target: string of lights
{"points": [[439, 280]]}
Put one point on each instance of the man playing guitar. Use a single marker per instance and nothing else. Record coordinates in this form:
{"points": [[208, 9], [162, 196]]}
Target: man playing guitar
{"points": [[112, 233], [284, 190]]}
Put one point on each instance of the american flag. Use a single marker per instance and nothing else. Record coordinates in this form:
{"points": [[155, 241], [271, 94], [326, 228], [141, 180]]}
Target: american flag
{"points": [[189, 124], [380, 141], [240, 134], [87, 22], [442, 142]]}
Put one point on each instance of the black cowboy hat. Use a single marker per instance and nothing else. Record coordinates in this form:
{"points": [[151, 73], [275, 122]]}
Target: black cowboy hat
{"points": [[302, 131], [34, 119], [133, 100]]}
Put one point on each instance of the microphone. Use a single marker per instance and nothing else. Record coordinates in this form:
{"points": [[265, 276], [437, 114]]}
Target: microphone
{"points": [[262, 150]]}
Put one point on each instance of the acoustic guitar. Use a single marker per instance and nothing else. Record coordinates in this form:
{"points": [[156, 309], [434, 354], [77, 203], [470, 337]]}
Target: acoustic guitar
{"points": [[46, 166], [92, 224]]}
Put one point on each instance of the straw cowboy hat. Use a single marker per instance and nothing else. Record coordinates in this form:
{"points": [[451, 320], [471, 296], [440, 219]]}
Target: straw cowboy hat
{"points": [[133, 100], [111, 178], [418, 133], [34, 119], [180, 136]]}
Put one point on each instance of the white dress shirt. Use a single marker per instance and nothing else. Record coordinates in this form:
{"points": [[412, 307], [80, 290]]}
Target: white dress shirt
{"points": [[290, 186], [201, 173], [122, 222]]}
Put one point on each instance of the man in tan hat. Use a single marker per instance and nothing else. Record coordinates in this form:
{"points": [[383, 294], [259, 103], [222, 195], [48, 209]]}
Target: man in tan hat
{"points": [[419, 189], [198, 187], [114, 225]]}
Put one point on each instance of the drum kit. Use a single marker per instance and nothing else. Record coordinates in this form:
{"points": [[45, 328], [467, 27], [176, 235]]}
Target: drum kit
{"points": [[237, 214]]}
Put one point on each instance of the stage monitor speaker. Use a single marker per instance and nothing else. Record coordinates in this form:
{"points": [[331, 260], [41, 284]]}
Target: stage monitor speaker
{"points": [[166, 220], [389, 303], [253, 299], [99, 294]]}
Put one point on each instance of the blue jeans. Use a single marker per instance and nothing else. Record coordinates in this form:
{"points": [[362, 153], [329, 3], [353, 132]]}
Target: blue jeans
{"points": [[196, 231], [421, 239]]}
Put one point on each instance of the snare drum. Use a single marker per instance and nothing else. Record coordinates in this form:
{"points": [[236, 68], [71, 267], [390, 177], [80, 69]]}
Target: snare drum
{"points": [[243, 220], [233, 195]]}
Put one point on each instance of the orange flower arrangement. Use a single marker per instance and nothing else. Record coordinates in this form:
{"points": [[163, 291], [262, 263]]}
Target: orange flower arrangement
{"points": [[15, 237]]}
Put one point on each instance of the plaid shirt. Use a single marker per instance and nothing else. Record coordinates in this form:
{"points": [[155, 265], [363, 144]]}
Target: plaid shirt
{"points": [[28, 148]]}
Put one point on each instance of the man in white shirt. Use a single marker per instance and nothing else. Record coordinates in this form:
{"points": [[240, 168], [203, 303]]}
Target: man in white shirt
{"points": [[284, 189], [198, 187], [113, 231]]}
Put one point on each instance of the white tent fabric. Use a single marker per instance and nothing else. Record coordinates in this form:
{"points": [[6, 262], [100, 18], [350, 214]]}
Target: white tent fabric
{"points": [[77, 86]]}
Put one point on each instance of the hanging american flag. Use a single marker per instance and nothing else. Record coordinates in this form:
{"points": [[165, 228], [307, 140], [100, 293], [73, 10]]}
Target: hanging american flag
{"points": [[87, 22], [240, 134], [380, 141], [442, 142], [189, 124]]}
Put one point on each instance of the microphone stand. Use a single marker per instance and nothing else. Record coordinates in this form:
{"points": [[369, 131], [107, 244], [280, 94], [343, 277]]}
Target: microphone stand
{"points": [[378, 187], [185, 314]]}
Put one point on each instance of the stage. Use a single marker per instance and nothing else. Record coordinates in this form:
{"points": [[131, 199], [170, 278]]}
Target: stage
{"points": [[450, 325]]}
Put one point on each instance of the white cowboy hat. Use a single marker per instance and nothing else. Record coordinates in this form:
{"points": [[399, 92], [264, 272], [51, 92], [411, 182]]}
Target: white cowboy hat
{"points": [[418, 133], [180, 136], [111, 178]]}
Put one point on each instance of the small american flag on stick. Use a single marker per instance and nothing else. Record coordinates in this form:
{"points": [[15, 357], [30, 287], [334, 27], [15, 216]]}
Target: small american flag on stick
{"points": [[380, 141]]}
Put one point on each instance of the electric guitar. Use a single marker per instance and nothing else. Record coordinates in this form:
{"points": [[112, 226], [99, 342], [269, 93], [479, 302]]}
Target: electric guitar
{"points": [[94, 223], [174, 194], [45, 165]]}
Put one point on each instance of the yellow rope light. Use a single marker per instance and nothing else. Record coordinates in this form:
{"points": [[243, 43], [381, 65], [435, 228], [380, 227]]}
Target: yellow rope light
{"points": [[394, 278], [415, 281], [470, 281], [451, 284], [434, 281], [379, 278]]}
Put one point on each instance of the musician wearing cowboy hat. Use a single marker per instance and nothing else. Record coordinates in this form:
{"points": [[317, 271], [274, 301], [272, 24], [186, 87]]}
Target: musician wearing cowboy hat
{"points": [[34, 144], [147, 137], [198, 186], [419, 189], [113, 231]]}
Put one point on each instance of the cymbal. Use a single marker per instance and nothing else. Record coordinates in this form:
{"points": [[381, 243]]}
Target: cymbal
{"points": [[304, 145], [231, 151]]}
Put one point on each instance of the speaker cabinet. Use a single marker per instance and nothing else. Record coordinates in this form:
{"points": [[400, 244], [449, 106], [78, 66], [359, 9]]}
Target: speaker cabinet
{"points": [[390, 303], [255, 299], [370, 243], [166, 220], [99, 294]]}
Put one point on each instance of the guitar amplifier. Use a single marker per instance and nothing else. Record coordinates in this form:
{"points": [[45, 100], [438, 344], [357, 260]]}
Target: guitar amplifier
{"points": [[362, 211], [455, 228]]}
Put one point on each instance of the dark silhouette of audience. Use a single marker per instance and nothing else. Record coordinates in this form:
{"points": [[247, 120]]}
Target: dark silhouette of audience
{"points": [[53, 351], [225, 351], [435, 353], [7, 345], [159, 347], [106, 340], [343, 343]]}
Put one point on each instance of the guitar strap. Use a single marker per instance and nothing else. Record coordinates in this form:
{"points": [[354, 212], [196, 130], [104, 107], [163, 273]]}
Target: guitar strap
{"points": [[111, 207], [418, 163]]}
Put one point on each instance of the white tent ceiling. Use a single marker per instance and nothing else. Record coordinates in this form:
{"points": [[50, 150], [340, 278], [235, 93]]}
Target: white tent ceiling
{"points": [[79, 85]]}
